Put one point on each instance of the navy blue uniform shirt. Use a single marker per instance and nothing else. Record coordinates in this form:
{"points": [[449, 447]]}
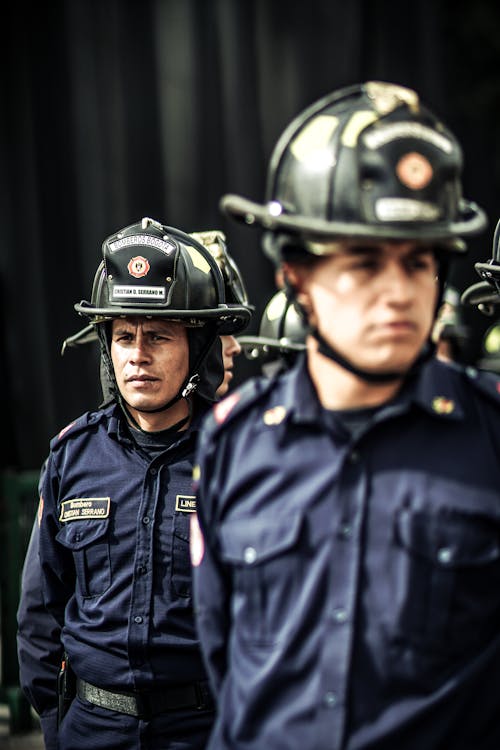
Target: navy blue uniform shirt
{"points": [[347, 591], [113, 544]]}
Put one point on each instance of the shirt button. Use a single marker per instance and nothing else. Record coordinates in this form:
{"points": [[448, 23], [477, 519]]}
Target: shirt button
{"points": [[138, 619], [340, 615], [445, 555], [330, 699], [145, 520], [153, 471], [354, 457], [345, 531], [250, 555]]}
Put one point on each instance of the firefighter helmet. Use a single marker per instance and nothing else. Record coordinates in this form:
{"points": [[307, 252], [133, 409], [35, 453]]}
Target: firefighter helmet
{"points": [[366, 161], [152, 270]]}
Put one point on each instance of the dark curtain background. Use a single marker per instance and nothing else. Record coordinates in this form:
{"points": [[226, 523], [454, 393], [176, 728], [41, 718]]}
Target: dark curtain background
{"points": [[112, 110]]}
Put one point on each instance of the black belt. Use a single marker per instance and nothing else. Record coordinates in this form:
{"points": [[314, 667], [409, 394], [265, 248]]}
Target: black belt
{"points": [[147, 704]]}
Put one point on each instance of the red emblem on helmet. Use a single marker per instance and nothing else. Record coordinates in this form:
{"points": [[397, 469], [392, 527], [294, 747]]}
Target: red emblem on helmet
{"points": [[138, 266], [414, 171]]}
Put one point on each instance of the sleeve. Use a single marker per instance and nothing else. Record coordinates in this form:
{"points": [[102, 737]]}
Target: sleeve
{"points": [[211, 583], [38, 642], [46, 577]]}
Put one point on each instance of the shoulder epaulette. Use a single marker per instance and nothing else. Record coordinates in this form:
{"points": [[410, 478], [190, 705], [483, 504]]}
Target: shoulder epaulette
{"points": [[238, 402], [486, 382], [76, 427]]}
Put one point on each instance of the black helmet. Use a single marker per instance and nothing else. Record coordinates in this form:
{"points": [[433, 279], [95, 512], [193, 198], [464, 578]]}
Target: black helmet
{"points": [[450, 325], [482, 295], [234, 286], [491, 349], [490, 271], [485, 294], [282, 335], [157, 271], [234, 289], [366, 161]]}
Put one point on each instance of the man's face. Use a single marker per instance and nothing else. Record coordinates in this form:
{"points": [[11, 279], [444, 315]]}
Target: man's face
{"points": [[374, 303], [230, 349], [150, 359]]}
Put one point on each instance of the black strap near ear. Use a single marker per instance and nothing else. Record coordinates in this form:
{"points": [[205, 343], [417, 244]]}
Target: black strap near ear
{"points": [[170, 430], [371, 377]]}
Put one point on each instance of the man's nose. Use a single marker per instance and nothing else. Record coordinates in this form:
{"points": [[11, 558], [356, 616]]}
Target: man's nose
{"points": [[398, 282], [140, 348], [235, 346]]}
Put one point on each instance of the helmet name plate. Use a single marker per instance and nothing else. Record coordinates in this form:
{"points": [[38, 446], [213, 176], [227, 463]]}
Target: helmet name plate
{"points": [[149, 292], [405, 209]]}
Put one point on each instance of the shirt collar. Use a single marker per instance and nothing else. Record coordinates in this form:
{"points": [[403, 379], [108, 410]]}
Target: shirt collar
{"points": [[434, 388]]}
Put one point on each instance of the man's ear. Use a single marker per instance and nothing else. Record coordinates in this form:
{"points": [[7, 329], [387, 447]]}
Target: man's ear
{"points": [[295, 277]]}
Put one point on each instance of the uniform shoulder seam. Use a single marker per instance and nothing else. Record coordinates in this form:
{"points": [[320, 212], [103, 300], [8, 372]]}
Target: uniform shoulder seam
{"points": [[78, 425], [238, 402]]}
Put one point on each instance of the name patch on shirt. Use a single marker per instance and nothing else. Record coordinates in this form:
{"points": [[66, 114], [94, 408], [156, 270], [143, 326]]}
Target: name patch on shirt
{"points": [[185, 503], [83, 508]]}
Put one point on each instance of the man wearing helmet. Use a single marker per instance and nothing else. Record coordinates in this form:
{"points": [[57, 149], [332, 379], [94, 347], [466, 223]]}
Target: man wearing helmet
{"points": [[346, 544], [116, 497], [235, 294]]}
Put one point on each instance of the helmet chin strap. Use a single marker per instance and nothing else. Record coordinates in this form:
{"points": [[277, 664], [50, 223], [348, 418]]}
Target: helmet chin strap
{"points": [[368, 376], [173, 428], [187, 389]]}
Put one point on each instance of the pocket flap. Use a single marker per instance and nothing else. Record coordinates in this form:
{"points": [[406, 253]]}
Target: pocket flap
{"points": [[250, 542], [78, 534], [449, 538]]}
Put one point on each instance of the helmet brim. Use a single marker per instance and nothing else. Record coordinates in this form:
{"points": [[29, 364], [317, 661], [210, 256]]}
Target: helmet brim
{"points": [[472, 221], [481, 293], [262, 342], [86, 335], [231, 318]]}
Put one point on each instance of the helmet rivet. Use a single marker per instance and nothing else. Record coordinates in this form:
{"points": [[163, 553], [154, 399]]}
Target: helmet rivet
{"points": [[168, 278], [119, 235]]}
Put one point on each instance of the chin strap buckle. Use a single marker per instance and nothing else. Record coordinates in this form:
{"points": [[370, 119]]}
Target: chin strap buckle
{"points": [[190, 386]]}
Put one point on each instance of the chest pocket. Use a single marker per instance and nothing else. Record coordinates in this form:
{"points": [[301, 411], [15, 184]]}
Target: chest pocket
{"points": [[89, 542], [263, 556], [450, 577]]}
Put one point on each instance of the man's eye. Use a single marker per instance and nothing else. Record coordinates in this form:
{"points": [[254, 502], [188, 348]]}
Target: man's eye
{"points": [[366, 264], [420, 262]]}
